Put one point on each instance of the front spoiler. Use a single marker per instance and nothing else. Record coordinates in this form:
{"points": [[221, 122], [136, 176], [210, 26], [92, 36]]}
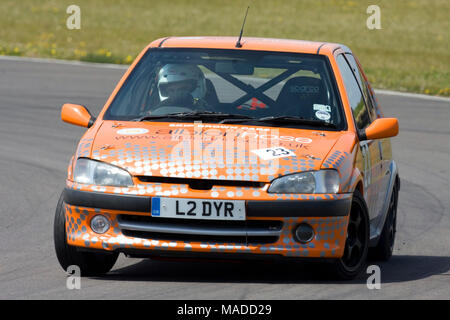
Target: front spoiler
{"points": [[254, 208]]}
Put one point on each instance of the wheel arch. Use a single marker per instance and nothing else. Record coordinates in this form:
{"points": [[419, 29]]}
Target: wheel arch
{"points": [[393, 180], [356, 182]]}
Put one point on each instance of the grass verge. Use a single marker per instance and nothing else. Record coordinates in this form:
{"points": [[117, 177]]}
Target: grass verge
{"points": [[410, 52]]}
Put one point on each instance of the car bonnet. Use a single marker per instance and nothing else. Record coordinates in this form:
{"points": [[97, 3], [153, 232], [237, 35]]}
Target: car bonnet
{"points": [[211, 151]]}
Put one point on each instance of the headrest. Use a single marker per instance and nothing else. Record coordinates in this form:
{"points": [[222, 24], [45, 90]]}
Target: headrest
{"points": [[302, 87]]}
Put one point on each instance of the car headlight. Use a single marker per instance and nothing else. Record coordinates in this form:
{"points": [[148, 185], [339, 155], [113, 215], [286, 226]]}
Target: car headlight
{"points": [[323, 181], [99, 173]]}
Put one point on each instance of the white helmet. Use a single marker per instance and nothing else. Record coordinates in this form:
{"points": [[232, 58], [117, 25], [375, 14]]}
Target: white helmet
{"points": [[174, 79]]}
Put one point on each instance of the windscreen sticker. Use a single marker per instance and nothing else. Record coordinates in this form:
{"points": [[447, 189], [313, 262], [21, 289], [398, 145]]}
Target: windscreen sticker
{"points": [[323, 115], [273, 153], [132, 131], [321, 107]]}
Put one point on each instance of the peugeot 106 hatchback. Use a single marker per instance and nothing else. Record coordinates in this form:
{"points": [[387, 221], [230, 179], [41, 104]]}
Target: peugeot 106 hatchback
{"points": [[270, 149]]}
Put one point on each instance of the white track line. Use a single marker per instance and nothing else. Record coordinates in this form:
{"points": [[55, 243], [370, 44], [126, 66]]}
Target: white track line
{"points": [[412, 95], [66, 62], [123, 67]]}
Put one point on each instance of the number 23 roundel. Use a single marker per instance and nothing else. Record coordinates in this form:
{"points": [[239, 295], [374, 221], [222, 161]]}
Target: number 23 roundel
{"points": [[273, 153]]}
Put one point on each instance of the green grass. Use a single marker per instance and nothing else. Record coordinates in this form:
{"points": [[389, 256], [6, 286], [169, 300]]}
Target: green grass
{"points": [[410, 52]]}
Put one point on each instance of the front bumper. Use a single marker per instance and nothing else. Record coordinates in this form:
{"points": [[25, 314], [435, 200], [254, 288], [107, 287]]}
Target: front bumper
{"points": [[329, 219]]}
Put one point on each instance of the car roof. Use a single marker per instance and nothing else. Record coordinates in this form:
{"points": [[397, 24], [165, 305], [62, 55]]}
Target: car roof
{"points": [[248, 43]]}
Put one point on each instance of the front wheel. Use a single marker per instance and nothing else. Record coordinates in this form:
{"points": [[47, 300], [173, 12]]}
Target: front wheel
{"points": [[90, 264], [356, 249]]}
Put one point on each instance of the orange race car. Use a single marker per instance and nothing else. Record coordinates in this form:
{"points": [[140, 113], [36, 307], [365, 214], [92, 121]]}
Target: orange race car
{"points": [[208, 148]]}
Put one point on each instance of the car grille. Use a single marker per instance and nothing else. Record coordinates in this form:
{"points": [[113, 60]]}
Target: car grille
{"points": [[205, 231], [202, 184]]}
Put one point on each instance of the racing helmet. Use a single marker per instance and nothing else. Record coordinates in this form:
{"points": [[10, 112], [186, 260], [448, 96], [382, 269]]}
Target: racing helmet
{"points": [[178, 79]]}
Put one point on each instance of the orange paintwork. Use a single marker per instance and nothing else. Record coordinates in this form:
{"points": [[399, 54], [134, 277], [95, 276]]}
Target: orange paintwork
{"points": [[248, 43], [149, 149], [308, 145], [75, 114], [382, 128]]}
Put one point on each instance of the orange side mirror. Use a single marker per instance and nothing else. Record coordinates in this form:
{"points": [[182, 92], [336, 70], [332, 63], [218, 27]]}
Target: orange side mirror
{"points": [[77, 115], [382, 128]]}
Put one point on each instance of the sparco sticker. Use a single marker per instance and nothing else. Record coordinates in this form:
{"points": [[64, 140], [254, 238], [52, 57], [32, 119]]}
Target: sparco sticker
{"points": [[323, 115], [132, 131]]}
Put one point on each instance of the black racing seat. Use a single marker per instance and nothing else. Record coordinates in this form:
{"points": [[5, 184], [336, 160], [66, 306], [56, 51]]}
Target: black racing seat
{"points": [[298, 96]]}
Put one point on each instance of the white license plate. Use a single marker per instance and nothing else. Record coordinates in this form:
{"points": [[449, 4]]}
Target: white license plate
{"points": [[198, 209]]}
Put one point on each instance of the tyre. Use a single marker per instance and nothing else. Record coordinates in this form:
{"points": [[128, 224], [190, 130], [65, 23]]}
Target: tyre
{"points": [[356, 249], [385, 247], [90, 264]]}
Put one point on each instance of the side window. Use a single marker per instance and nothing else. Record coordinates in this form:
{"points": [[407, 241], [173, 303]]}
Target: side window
{"points": [[355, 97], [362, 83]]}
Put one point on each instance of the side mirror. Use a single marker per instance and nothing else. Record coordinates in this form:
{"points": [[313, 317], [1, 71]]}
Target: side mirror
{"points": [[381, 128], [77, 115]]}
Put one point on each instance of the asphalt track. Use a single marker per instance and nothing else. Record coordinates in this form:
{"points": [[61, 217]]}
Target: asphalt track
{"points": [[35, 148]]}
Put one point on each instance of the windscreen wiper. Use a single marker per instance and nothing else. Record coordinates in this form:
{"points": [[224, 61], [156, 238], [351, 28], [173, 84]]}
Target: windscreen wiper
{"points": [[297, 120], [193, 114], [161, 116], [284, 119]]}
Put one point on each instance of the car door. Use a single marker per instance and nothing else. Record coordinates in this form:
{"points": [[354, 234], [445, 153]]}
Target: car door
{"points": [[369, 149], [380, 165]]}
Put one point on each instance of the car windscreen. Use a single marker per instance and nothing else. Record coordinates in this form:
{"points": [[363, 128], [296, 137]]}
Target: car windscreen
{"points": [[216, 85]]}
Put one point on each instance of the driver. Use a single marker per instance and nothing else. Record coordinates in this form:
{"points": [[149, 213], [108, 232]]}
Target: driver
{"points": [[183, 84]]}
